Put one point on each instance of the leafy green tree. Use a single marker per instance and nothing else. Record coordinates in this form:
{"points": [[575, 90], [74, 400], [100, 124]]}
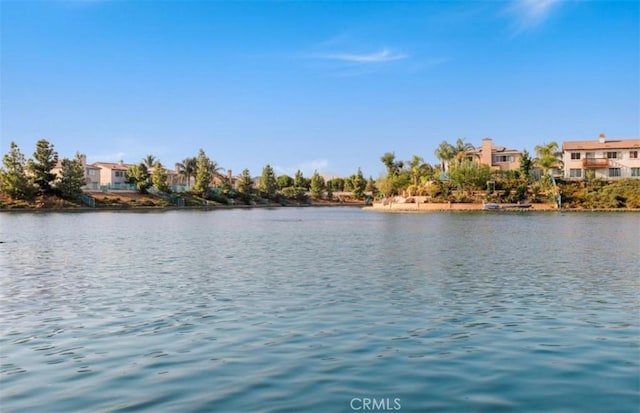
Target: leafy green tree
{"points": [[393, 166], [268, 183], [44, 160], [295, 192], [139, 175], [203, 174], [284, 181], [525, 165], [445, 153], [72, 177], [159, 177], [336, 184], [13, 179], [469, 175], [396, 175], [316, 185], [329, 191], [245, 185], [358, 184]]}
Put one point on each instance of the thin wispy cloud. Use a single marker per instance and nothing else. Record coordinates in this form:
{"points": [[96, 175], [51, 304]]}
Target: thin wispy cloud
{"points": [[532, 13], [382, 56]]}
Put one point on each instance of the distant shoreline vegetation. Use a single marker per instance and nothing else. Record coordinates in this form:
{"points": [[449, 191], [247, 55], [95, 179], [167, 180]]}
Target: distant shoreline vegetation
{"points": [[45, 181]]}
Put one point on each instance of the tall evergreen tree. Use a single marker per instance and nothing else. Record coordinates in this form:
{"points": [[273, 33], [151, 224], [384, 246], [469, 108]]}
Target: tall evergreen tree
{"points": [[299, 181], [525, 164], [44, 160], [13, 179], [268, 183], [245, 185], [358, 184], [72, 177], [203, 174], [159, 177], [316, 185]]}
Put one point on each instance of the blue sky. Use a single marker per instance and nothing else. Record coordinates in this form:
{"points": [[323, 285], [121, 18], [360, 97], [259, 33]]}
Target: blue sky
{"points": [[313, 85]]}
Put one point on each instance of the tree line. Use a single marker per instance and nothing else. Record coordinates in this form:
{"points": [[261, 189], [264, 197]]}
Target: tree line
{"points": [[25, 179], [456, 177]]}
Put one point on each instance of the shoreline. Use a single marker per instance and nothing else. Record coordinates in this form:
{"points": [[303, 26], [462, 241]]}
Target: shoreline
{"points": [[410, 208], [175, 208], [394, 209]]}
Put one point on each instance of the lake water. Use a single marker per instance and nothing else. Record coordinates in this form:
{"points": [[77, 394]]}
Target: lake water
{"points": [[318, 310]]}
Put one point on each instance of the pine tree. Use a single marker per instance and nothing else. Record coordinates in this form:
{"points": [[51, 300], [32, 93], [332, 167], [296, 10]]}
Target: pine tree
{"points": [[159, 177], [317, 185], [73, 178], [13, 179], [358, 184], [245, 185], [45, 159], [203, 174], [268, 183], [525, 164]]}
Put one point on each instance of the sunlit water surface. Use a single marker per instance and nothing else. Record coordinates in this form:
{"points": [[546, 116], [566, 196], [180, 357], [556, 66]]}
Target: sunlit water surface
{"points": [[318, 309]]}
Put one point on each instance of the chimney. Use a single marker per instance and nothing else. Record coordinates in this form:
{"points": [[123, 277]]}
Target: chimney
{"points": [[486, 158], [601, 138]]}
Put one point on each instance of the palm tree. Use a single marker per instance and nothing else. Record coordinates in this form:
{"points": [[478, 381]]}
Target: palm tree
{"points": [[548, 156], [445, 153], [461, 149], [215, 170], [416, 165], [187, 169], [149, 161]]}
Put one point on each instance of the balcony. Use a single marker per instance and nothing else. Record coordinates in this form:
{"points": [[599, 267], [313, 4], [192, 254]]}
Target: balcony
{"points": [[595, 163]]}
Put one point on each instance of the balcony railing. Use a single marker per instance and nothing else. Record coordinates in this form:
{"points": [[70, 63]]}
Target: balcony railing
{"points": [[595, 163]]}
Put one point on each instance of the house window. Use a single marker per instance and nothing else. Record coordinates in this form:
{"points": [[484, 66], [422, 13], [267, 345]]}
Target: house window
{"points": [[92, 172], [633, 154], [615, 173], [503, 158], [119, 174], [590, 155], [575, 173], [575, 155], [635, 172], [612, 155]]}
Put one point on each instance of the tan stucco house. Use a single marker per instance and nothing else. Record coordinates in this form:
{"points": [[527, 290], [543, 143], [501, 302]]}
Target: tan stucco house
{"points": [[496, 157]]}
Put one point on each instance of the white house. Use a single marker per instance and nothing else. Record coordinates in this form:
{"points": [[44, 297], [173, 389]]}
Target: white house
{"points": [[607, 158]]}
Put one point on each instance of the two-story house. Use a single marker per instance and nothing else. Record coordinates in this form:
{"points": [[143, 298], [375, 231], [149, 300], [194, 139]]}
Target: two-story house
{"points": [[112, 175], [496, 157], [602, 158]]}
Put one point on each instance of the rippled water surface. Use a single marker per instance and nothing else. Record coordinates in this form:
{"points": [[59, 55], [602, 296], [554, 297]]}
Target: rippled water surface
{"points": [[319, 309]]}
